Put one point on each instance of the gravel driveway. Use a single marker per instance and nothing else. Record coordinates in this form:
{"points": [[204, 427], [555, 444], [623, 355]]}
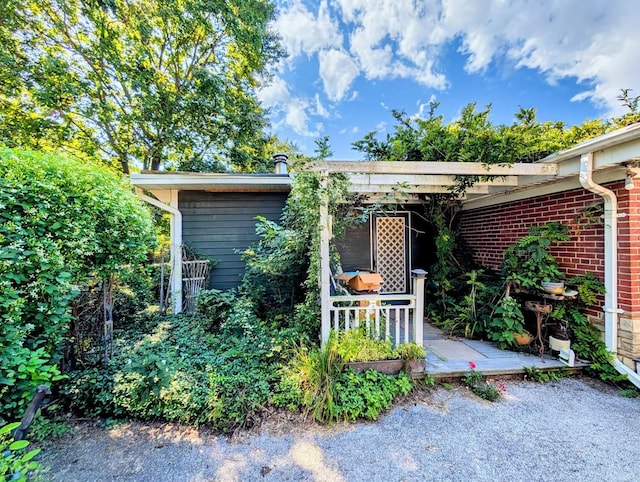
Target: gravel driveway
{"points": [[568, 430]]}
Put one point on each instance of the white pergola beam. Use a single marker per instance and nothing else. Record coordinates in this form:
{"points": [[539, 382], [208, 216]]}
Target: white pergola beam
{"points": [[413, 189], [444, 168], [425, 180]]}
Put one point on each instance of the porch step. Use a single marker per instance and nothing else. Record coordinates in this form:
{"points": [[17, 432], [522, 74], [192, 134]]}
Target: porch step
{"points": [[504, 366], [448, 358]]}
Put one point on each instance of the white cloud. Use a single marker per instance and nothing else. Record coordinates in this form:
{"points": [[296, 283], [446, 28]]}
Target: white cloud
{"points": [[304, 32], [337, 71], [320, 109], [393, 39], [593, 42], [285, 108]]}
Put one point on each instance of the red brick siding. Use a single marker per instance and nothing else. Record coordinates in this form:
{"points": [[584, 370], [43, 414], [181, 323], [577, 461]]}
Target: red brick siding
{"points": [[489, 231]]}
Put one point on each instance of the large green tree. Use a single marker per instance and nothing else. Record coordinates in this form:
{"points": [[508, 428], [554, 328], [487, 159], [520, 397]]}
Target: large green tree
{"points": [[150, 83]]}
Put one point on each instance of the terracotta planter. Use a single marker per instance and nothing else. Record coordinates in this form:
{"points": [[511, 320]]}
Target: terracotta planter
{"points": [[388, 367], [522, 338]]}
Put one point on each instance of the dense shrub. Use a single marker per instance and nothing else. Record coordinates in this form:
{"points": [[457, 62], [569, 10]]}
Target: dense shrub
{"points": [[61, 220], [16, 463], [178, 368]]}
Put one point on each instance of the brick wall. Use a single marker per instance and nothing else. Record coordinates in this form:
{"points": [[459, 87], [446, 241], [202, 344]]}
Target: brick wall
{"points": [[489, 231]]}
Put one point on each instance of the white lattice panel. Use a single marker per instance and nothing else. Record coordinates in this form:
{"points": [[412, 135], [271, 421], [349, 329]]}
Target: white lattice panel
{"points": [[390, 253]]}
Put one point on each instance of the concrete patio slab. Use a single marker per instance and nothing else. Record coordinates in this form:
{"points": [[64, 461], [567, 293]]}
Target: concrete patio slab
{"points": [[452, 350], [448, 358]]}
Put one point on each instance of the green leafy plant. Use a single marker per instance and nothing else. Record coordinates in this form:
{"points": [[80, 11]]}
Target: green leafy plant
{"points": [[316, 381], [411, 351], [534, 374], [15, 463], [366, 395], [527, 262], [176, 368], [508, 320], [360, 345], [483, 388]]}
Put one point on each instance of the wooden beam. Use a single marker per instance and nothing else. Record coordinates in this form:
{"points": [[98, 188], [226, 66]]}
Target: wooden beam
{"points": [[445, 168], [425, 189], [426, 180]]}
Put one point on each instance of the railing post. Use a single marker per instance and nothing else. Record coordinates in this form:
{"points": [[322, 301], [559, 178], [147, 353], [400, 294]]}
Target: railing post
{"points": [[418, 276], [325, 273]]}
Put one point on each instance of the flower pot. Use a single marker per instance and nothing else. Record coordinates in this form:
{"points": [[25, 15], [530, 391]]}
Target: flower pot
{"points": [[522, 338], [553, 288], [388, 367], [556, 344]]}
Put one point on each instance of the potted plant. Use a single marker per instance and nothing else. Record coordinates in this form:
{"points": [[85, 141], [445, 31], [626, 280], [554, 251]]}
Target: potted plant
{"points": [[528, 264], [361, 351]]}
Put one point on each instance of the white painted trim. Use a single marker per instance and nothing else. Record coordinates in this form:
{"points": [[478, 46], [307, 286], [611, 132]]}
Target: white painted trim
{"points": [[210, 181], [176, 244], [325, 268], [430, 168]]}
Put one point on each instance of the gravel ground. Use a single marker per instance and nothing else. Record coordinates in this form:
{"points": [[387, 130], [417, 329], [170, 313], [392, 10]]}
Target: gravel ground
{"points": [[568, 430]]}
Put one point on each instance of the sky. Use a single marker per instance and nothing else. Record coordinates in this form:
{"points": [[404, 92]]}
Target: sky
{"points": [[350, 62]]}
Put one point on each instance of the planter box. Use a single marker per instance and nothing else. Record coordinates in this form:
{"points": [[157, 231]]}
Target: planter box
{"points": [[388, 367]]}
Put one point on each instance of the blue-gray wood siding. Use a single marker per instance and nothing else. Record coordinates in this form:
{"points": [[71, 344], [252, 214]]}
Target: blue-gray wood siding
{"points": [[216, 224]]}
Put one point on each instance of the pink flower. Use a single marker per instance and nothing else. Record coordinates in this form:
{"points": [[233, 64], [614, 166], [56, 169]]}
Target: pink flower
{"points": [[472, 365]]}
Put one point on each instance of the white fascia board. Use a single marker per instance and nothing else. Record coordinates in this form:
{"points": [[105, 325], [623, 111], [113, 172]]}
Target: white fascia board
{"points": [[211, 182]]}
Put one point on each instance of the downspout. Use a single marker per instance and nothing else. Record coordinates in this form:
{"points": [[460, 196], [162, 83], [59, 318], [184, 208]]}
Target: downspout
{"points": [[611, 310], [176, 248]]}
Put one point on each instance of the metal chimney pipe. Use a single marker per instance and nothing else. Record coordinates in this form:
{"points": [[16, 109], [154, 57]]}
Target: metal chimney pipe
{"points": [[280, 163]]}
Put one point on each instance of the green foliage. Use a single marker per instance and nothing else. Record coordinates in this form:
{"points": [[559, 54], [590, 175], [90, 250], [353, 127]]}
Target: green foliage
{"points": [[367, 394], [214, 305], [631, 392], [133, 290], [467, 311], [61, 221], [411, 351], [158, 84], [22, 371], [310, 380], [508, 320], [360, 345], [275, 266], [534, 374], [15, 462], [587, 339], [316, 381], [286, 257], [177, 369], [528, 262], [483, 388]]}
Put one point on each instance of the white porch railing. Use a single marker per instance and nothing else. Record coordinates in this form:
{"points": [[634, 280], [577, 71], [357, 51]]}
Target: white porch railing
{"points": [[395, 317]]}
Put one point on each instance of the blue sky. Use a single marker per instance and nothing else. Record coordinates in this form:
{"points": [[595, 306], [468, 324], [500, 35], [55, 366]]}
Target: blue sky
{"points": [[351, 61]]}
